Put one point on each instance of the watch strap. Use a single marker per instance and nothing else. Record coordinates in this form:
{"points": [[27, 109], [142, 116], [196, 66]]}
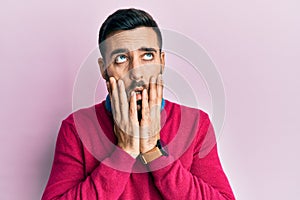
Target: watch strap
{"points": [[151, 155]]}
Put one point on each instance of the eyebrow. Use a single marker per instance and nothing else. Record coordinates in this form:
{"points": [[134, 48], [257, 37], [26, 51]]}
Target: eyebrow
{"points": [[117, 51], [124, 50], [147, 49]]}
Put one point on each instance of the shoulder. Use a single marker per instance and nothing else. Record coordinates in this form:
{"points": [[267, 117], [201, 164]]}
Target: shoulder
{"points": [[192, 121], [191, 127], [80, 124], [187, 112], [85, 115], [84, 122]]}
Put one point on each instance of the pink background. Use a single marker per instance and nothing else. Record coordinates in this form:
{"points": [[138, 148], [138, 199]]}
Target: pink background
{"points": [[255, 46]]}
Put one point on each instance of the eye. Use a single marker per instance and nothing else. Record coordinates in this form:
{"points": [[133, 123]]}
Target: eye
{"points": [[148, 56], [120, 59]]}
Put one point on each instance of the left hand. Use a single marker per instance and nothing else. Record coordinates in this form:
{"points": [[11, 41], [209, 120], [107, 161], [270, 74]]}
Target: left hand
{"points": [[150, 121]]}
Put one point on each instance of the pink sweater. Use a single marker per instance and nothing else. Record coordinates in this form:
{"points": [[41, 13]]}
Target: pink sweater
{"points": [[88, 165]]}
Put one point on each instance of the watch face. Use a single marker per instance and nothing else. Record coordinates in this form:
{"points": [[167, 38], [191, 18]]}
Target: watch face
{"points": [[163, 149]]}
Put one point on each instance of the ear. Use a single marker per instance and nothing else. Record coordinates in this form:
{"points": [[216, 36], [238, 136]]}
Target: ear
{"points": [[102, 68], [162, 60]]}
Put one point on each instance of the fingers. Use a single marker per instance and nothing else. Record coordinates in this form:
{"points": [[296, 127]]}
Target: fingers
{"points": [[133, 107], [133, 116], [118, 100], [114, 99], [123, 102], [126, 125], [145, 109], [156, 90], [153, 91], [134, 136], [159, 88], [148, 134]]}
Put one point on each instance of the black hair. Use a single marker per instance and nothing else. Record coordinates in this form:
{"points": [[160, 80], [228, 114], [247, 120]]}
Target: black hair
{"points": [[127, 19]]}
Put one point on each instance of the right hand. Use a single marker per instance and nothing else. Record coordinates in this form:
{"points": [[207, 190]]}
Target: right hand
{"points": [[126, 124]]}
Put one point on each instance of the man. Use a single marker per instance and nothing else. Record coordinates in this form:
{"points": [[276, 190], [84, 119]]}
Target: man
{"points": [[135, 144]]}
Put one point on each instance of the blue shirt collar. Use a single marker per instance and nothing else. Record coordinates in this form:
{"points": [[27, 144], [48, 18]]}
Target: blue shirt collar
{"points": [[108, 104]]}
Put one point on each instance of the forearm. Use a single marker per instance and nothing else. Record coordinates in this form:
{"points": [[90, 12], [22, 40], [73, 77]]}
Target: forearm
{"points": [[104, 182], [174, 181], [77, 174]]}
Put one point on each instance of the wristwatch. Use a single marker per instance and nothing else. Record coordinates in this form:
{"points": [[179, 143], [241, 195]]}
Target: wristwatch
{"points": [[154, 153]]}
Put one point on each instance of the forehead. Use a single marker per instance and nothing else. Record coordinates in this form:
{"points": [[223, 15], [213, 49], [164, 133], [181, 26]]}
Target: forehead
{"points": [[132, 39]]}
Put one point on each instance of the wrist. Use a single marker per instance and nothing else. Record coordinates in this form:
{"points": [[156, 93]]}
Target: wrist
{"points": [[154, 153], [148, 144], [134, 154], [149, 149]]}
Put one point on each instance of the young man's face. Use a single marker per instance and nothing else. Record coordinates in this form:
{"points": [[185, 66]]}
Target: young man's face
{"points": [[133, 56]]}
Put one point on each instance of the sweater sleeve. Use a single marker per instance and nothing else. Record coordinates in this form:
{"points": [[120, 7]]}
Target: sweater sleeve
{"points": [[204, 180], [68, 179]]}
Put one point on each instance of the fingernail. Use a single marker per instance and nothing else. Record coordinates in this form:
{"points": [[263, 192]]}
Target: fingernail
{"points": [[152, 80], [111, 79], [159, 76], [132, 93]]}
